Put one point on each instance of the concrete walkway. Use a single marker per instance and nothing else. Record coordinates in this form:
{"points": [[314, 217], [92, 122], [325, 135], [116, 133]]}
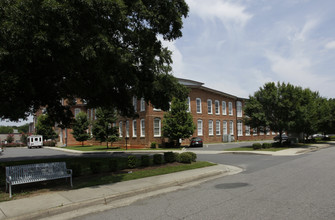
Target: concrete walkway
{"points": [[66, 204]]}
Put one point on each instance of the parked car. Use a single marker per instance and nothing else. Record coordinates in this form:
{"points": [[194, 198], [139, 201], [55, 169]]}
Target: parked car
{"points": [[284, 137], [196, 142]]}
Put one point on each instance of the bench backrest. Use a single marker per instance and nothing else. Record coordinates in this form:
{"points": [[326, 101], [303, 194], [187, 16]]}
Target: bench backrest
{"points": [[36, 170]]}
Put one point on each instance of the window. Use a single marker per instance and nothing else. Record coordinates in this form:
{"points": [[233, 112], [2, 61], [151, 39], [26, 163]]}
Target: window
{"points": [[247, 130], [210, 127], [76, 111], [200, 128], [142, 107], [198, 105], [239, 109], [261, 131], [239, 128], [142, 128], [254, 131], [224, 130], [157, 109], [127, 128], [189, 104], [209, 106], [267, 131], [157, 127], [230, 108], [135, 104], [134, 128], [217, 127], [224, 108], [217, 107], [95, 114], [120, 128], [231, 127]]}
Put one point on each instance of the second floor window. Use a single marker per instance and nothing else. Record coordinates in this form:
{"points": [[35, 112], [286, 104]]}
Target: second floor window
{"points": [[142, 105], [217, 107], [198, 105], [239, 109], [224, 108], [209, 106], [230, 108]]}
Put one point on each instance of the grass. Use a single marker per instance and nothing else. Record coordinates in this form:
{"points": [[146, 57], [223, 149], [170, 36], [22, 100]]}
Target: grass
{"points": [[273, 149], [86, 178], [104, 148]]}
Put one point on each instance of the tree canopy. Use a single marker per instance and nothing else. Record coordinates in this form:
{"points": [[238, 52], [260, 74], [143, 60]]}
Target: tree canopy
{"points": [[80, 127], [102, 51], [44, 126], [178, 122]]}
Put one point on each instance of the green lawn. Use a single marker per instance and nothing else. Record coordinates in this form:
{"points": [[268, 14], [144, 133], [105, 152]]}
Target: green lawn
{"points": [[251, 149], [104, 148]]}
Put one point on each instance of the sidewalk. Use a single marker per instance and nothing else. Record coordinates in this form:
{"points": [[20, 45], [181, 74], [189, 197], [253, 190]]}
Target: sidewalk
{"points": [[65, 204]]}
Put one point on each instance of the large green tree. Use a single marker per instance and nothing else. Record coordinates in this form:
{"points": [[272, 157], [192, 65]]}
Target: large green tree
{"points": [[54, 49], [273, 106], [103, 129], [79, 128], [44, 126], [178, 122]]}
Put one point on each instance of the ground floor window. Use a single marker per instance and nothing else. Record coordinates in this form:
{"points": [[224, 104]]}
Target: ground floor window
{"points": [[217, 127], [142, 128], [231, 127], [200, 128], [134, 128], [247, 130], [224, 130], [157, 127], [239, 128], [210, 127]]}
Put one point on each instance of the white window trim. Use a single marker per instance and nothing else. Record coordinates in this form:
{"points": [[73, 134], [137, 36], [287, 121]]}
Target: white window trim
{"points": [[210, 128], [159, 127], [142, 105], [127, 128], [209, 106], [189, 104], [134, 128], [247, 128], [218, 127], [239, 109], [231, 127], [76, 111], [224, 127], [217, 104], [200, 128], [254, 132], [224, 108], [230, 108], [239, 128], [200, 108], [142, 127], [135, 103], [120, 129]]}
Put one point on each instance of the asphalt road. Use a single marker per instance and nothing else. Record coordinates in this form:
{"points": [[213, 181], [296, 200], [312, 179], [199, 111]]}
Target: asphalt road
{"points": [[296, 187]]}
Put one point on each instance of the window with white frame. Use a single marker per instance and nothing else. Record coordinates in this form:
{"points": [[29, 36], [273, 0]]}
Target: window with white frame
{"points": [[189, 104], [231, 127], [217, 127], [142, 105], [261, 131], [247, 130], [135, 104], [209, 106], [120, 128], [217, 107], [76, 111], [224, 108], [200, 133], [239, 128], [157, 127], [267, 130], [134, 128], [224, 129], [239, 109], [198, 101], [127, 128], [230, 108], [210, 128], [157, 109], [142, 128], [254, 131]]}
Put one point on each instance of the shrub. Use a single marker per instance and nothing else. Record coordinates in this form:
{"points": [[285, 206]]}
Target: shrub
{"points": [[169, 157], [49, 143], [153, 145], [96, 167], [176, 157], [145, 160], [256, 146], [76, 169], [132, 161], [193, 156], [185, 157], [158, 159], [266, 145], [113, 164]]}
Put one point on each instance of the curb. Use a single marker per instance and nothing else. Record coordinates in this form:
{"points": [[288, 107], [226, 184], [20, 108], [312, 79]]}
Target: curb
{"points": [[112, 198]]}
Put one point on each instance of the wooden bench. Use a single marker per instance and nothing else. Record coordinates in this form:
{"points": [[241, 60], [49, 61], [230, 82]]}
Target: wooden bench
{"points": [[30, 173]]}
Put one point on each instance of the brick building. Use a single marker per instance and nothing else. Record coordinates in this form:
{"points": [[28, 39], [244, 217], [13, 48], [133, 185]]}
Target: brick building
{"points": [[218, 117]]}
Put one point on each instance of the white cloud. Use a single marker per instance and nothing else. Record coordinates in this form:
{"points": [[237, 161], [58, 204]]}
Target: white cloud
{"points": [[307, 28], [229, 13], [177, 58], [330, 45]]}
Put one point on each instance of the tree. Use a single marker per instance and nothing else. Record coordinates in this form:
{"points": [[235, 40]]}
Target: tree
{"points": [[6, 130], [79, 128], [178, 122], [10, 138], [103, 129], [86, 49], [273, 106], [326, 116], [44, 127]]}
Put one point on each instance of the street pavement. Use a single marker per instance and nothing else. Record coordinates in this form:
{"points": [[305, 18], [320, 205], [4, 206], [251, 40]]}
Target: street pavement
{"points": [[71, 203]]}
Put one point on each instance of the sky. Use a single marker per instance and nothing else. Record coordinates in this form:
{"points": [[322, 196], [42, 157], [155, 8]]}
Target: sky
{"points": [[236, 46]]}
